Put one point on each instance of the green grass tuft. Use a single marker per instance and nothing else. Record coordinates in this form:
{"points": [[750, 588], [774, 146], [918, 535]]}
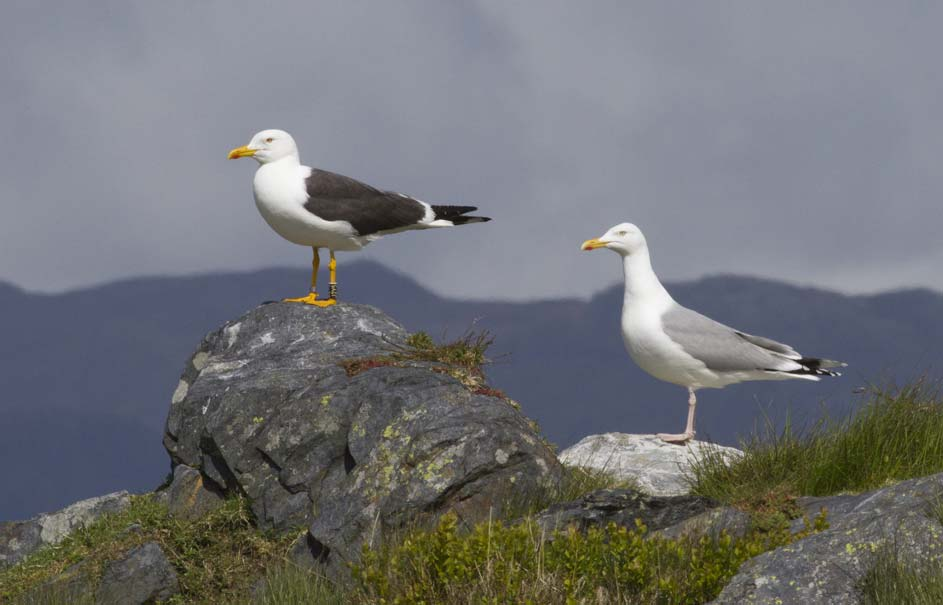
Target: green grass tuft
{"points": [[934, 509], [463, 359], [56, 595], [896, 435], [467, 352], [288, 584], [890, 581], [216, 557]]}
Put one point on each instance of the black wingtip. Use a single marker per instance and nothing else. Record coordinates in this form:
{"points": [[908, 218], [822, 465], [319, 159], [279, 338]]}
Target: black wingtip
{"points": [[818, 367], [464, 220]]}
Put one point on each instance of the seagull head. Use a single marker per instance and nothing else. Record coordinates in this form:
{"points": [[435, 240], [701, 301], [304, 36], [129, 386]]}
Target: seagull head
{"points": [[624, 238], [267, 146]]}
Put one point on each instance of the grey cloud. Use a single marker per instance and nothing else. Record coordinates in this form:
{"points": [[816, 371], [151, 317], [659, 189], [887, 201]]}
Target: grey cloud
{"points": [[795, 141]]}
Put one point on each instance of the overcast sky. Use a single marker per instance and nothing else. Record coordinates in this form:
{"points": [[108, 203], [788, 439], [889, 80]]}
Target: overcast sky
{"points": [[792, 140]]}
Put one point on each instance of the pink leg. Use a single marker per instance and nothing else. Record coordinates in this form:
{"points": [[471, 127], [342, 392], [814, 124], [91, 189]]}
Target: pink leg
{"points": [[688, 433]]}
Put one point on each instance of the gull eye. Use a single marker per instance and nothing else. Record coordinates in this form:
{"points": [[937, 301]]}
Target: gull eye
{"points": [[270, 139], [622, 233]]}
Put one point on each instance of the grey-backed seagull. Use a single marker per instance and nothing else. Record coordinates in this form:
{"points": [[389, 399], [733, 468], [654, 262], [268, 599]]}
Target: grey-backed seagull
{"points": [[681, 346], [320, 209]]}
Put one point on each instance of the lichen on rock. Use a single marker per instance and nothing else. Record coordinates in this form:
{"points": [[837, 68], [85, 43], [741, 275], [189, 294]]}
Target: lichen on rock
{"points": [[349, 454]]}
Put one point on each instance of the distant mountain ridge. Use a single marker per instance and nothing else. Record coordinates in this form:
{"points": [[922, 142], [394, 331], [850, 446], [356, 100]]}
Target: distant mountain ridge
{"points": [[87, 375]]}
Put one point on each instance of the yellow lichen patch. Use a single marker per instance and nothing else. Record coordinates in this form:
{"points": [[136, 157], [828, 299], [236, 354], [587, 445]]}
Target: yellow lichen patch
{"points": [[326, 400], [431, 470], [851, 549]]}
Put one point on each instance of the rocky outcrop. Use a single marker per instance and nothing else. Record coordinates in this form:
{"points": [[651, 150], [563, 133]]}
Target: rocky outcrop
{"points": [[19, 539], [623, 507], [713, 523], [267, 407], [659, 468], [827, 567], [142, 575], [187, 496]]}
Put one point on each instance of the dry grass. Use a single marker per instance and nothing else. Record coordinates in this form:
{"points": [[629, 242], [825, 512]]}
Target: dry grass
{"points": [[463, 359]]}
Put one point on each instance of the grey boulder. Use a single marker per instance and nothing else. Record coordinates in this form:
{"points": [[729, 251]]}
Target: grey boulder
{"points": [[188, 496], [266, 408], [142, 575], [712, 523], [623, 507], [19, 539], [659, 468], [828, 567]]}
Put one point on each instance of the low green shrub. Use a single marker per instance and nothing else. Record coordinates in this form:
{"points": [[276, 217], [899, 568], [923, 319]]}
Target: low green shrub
{"points": [[496, 563]]}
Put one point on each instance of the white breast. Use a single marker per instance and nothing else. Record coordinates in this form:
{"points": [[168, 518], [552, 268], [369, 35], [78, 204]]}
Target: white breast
{"points": [[280, 195], [653, 351]]}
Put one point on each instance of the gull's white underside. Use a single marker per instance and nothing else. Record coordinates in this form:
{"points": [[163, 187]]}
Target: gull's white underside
{"points": [[645, 309], [280, 194]]}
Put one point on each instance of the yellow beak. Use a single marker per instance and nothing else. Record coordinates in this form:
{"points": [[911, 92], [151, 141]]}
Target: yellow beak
{"points": [[592, 244], [241, 152]]}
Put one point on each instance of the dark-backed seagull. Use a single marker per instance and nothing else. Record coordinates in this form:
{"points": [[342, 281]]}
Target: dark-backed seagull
{"points": [[681, 346], [320, 209]]}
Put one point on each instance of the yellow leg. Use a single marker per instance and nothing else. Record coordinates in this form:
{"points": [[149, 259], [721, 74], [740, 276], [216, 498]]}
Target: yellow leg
{"points": [[332, 286], [312, 297]]}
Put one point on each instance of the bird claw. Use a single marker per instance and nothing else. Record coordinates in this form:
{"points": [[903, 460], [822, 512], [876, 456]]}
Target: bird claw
{"points": [[312, 299]]}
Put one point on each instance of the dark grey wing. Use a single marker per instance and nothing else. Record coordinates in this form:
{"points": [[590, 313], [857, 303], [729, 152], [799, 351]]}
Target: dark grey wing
{"points": [[334, 197], [722, 348]]}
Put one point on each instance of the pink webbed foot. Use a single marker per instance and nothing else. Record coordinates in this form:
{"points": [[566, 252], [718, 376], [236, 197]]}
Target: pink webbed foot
{"points": [[676, 439]]}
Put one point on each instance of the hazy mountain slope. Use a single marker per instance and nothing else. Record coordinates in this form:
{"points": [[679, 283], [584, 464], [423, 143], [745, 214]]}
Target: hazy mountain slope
{"points": [[86, 376]]}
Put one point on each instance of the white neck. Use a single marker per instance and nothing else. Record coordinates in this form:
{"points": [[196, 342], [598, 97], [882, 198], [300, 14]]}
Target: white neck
{"points": [[641, 283], [289, 160]]}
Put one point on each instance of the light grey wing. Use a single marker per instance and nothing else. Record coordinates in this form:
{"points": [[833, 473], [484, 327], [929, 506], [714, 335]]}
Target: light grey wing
{"points": [[723, 349], [769, 343]]}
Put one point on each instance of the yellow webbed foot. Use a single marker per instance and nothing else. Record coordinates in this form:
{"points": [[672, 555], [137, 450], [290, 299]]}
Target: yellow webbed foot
{"points": [[312, 299]]}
